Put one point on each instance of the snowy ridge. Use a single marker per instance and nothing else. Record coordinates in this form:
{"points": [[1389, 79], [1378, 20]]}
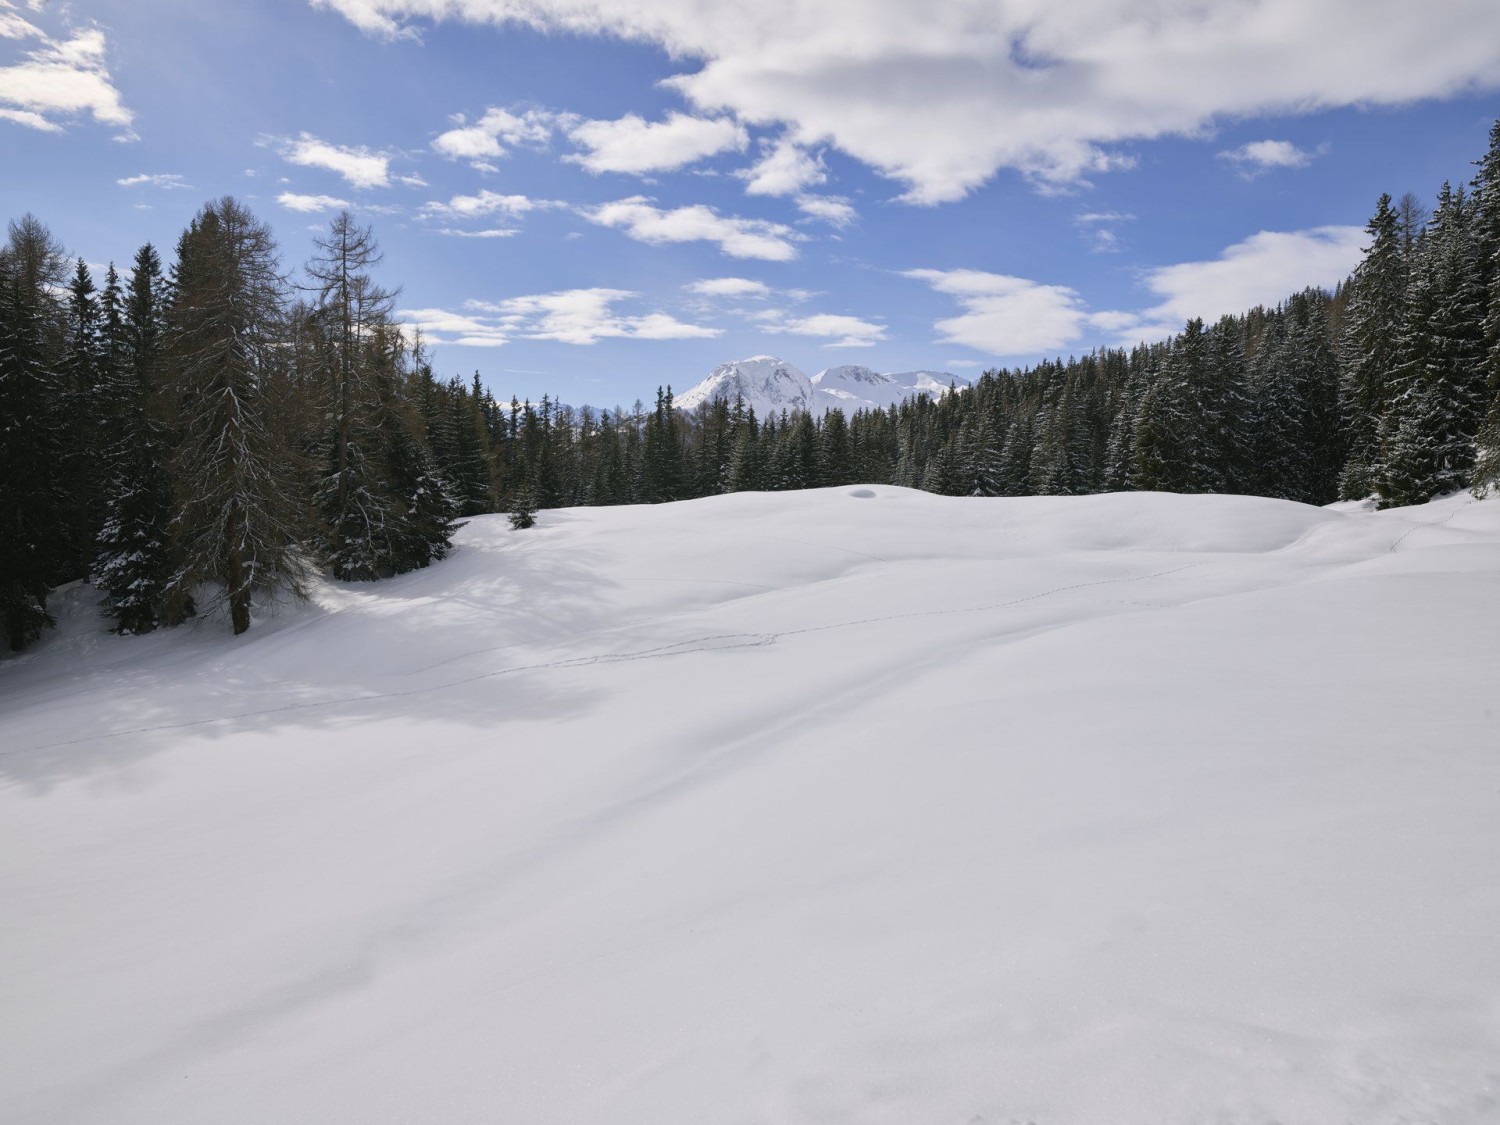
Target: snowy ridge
{"points": [[1169, 803], [770, 385], [855, 387], [767, 384]]}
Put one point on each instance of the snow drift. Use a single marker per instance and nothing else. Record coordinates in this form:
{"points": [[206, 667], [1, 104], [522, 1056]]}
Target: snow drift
{"points": [[852, 805]]}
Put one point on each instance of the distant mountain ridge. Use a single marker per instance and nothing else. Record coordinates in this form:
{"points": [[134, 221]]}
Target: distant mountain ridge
{"points": [[769, 385]]}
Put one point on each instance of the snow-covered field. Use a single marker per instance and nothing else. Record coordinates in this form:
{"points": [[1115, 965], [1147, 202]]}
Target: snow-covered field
{"points": [[859, 805]]}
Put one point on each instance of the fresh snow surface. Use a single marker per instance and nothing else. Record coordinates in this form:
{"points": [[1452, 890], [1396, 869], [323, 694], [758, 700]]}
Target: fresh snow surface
{"points": [[770, 385], [857, 805]]}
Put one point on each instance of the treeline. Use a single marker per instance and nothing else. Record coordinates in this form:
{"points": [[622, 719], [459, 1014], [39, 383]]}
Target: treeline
{"points": [[1388, 387], [211, 432], [214, 432]]}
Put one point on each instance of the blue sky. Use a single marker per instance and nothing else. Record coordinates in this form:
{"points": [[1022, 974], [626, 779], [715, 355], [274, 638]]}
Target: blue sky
{"points": [[592, 197]]}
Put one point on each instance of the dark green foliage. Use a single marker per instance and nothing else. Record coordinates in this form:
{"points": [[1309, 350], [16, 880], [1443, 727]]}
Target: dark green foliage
{"points": [[35, 432], [523, 509], [134, 551], [238, 518], [1437, 400]]}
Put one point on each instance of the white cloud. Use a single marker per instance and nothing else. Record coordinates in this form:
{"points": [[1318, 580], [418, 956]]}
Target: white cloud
{"points": [[1261, 270], [61, 78], [1006, 316], [361, 167], [941, 96], [1098, 229], [736, 237], [832, 209], [1262, 156], [729, 287], [785, 168], [167, 180], [497, 131], [841, 331], [583, 317], [13, 26], [492, 232], [292, 201], [633, 144], [31, 120], [440, 326], [483, 204]]}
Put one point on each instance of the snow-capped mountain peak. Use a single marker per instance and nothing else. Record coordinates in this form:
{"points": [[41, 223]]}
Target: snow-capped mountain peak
{"points": [[770, 385]]}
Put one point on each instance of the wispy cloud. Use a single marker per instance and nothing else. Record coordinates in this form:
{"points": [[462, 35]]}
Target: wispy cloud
{"points": [[308, 204], [360, 167], [169, 180], [580, 317], [641, 220], [1098, 229], [495, 133], [1259, 157], [832, 209], [484, 204], [729, 287], [58, 80], [785, 168], [841, 331], [490, 232], [633, 144], [1005, 315]]}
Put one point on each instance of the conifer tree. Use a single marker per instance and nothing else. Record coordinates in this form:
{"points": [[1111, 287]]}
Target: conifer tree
{"points": [[1487, 250], [1429, 429], [134, 556], [1377, 307], [84, 379], [238, 517], [34, 430]]}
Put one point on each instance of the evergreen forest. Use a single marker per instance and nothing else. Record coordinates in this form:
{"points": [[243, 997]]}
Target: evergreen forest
{"points": [[201, 434]]}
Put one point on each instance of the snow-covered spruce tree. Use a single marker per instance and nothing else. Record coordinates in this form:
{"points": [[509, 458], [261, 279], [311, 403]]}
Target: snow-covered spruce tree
{"points": [[84, 381], [1170, 448], [1317, 374], [522, 509], [34, 431], [745, 471], [470, 473], [238, 514], [835, 462], [662, 470], [1229, 412], [1432, 419], [1487, 239], [986, 467], [134, 552], [422, 511], [1377, 306], [1281, 414]]}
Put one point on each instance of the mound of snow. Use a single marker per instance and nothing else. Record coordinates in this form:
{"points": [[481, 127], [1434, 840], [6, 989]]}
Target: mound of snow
{"points": [[849, 805]]}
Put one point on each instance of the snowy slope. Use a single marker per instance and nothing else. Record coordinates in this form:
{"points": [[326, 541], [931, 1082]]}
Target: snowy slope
{"points": [[857, 805]]}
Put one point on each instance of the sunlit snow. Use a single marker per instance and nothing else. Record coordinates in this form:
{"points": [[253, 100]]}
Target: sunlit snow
{"points": [[854, 805]]}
